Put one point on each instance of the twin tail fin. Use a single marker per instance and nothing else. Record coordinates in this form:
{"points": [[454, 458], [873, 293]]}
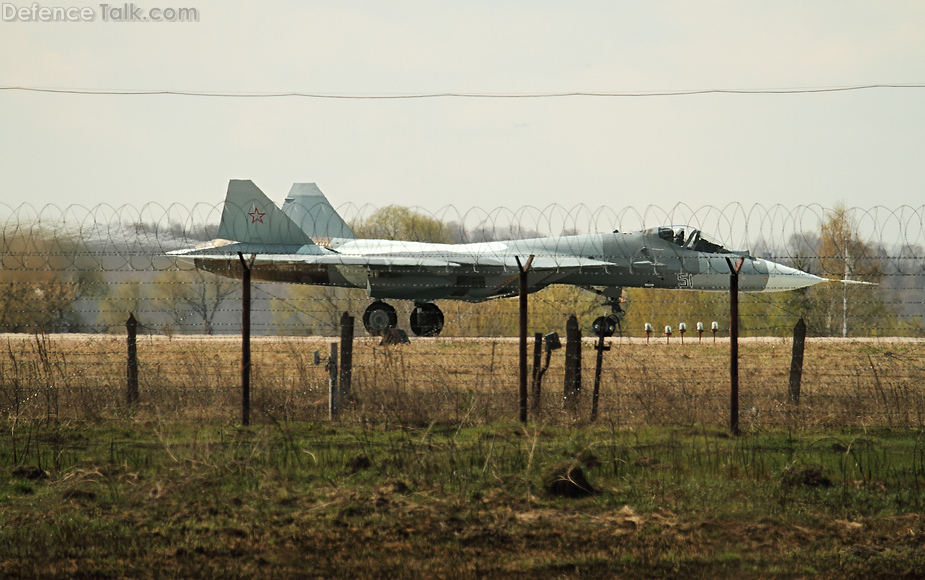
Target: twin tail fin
{"points": [[307, 217], [250, 217]]}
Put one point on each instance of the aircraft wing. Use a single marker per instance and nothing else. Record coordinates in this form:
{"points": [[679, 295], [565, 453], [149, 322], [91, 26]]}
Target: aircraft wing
{"points": [[553, 263], [326, 259], [352, 260], [503, 262]]}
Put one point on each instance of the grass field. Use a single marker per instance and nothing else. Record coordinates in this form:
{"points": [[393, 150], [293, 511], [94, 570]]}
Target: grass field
{"points": [[427, 474], [162, 499]]}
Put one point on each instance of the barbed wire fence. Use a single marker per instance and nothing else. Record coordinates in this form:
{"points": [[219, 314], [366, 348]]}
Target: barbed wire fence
{"points": [[69, 277]]}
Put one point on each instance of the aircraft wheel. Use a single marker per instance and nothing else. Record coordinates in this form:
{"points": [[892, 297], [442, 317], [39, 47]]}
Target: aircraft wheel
{"points": [[426, 319], [606, 323], [379, 317]]}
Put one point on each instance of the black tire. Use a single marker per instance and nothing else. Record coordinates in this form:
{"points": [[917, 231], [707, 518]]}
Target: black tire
{"points": [[606, 323], [426, 320], [379, 317]]}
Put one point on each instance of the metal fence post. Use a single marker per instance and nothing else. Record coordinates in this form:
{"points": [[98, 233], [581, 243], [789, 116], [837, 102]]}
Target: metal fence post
{"points": [[600, 347], [734, 344], [572, 387], [796, 360], [523, 290], [246, 338], [131, 327]]}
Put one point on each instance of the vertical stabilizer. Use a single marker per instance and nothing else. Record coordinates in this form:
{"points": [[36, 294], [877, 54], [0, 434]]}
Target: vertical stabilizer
{"points": [[250, 217], [314, 214]]}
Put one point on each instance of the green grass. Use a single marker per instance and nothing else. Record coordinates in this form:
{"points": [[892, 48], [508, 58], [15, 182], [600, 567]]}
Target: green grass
{"points": [[144, 499]]}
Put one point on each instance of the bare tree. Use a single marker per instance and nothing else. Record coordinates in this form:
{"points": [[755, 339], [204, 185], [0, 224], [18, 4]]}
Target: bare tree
{"points": [[186, 294]]}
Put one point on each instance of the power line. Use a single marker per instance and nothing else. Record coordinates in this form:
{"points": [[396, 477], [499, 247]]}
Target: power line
{"points": [[398, 96]]}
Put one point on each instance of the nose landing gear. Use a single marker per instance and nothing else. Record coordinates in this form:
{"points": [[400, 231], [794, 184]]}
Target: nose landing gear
{"points": [[606, 325], [609, 324]]}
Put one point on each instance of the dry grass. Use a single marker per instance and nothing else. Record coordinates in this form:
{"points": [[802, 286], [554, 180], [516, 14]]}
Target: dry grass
{"points": [[466, 381]]}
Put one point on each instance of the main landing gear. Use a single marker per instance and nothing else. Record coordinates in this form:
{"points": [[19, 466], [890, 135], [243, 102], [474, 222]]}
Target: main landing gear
{"points": [[379, 317], [426, 318]]}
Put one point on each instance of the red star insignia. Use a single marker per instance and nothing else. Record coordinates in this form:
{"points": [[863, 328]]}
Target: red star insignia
{"points": [[256, 216]]}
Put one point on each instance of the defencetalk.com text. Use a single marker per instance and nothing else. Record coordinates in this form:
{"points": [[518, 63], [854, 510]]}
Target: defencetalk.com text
{"points": [[127, 12]]}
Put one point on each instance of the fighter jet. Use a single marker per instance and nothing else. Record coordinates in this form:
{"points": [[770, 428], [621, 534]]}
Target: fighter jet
{"points": [[307, 242]]}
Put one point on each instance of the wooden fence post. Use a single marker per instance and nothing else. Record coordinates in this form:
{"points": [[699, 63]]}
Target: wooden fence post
{"points": [[131, 327], [333, 396], [572, 387], [796, 360], [346, 358], [535, 385], [552, 343]]}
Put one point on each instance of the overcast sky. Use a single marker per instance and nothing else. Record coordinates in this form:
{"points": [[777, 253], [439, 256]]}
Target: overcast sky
{"points": [[862, 147]]}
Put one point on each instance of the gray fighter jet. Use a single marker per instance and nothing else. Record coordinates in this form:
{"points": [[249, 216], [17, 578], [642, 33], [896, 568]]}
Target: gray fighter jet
{"points": [[307, 242]]}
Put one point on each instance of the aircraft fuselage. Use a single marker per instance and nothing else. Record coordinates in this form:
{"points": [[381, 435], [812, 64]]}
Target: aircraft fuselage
{"points": [[479, 271]]}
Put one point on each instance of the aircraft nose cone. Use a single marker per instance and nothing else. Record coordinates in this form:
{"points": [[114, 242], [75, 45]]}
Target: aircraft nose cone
{"points": [[781, 278]]}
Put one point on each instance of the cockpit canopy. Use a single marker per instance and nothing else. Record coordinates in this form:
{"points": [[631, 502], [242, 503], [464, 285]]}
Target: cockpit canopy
{"points": [[690, 238]]}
